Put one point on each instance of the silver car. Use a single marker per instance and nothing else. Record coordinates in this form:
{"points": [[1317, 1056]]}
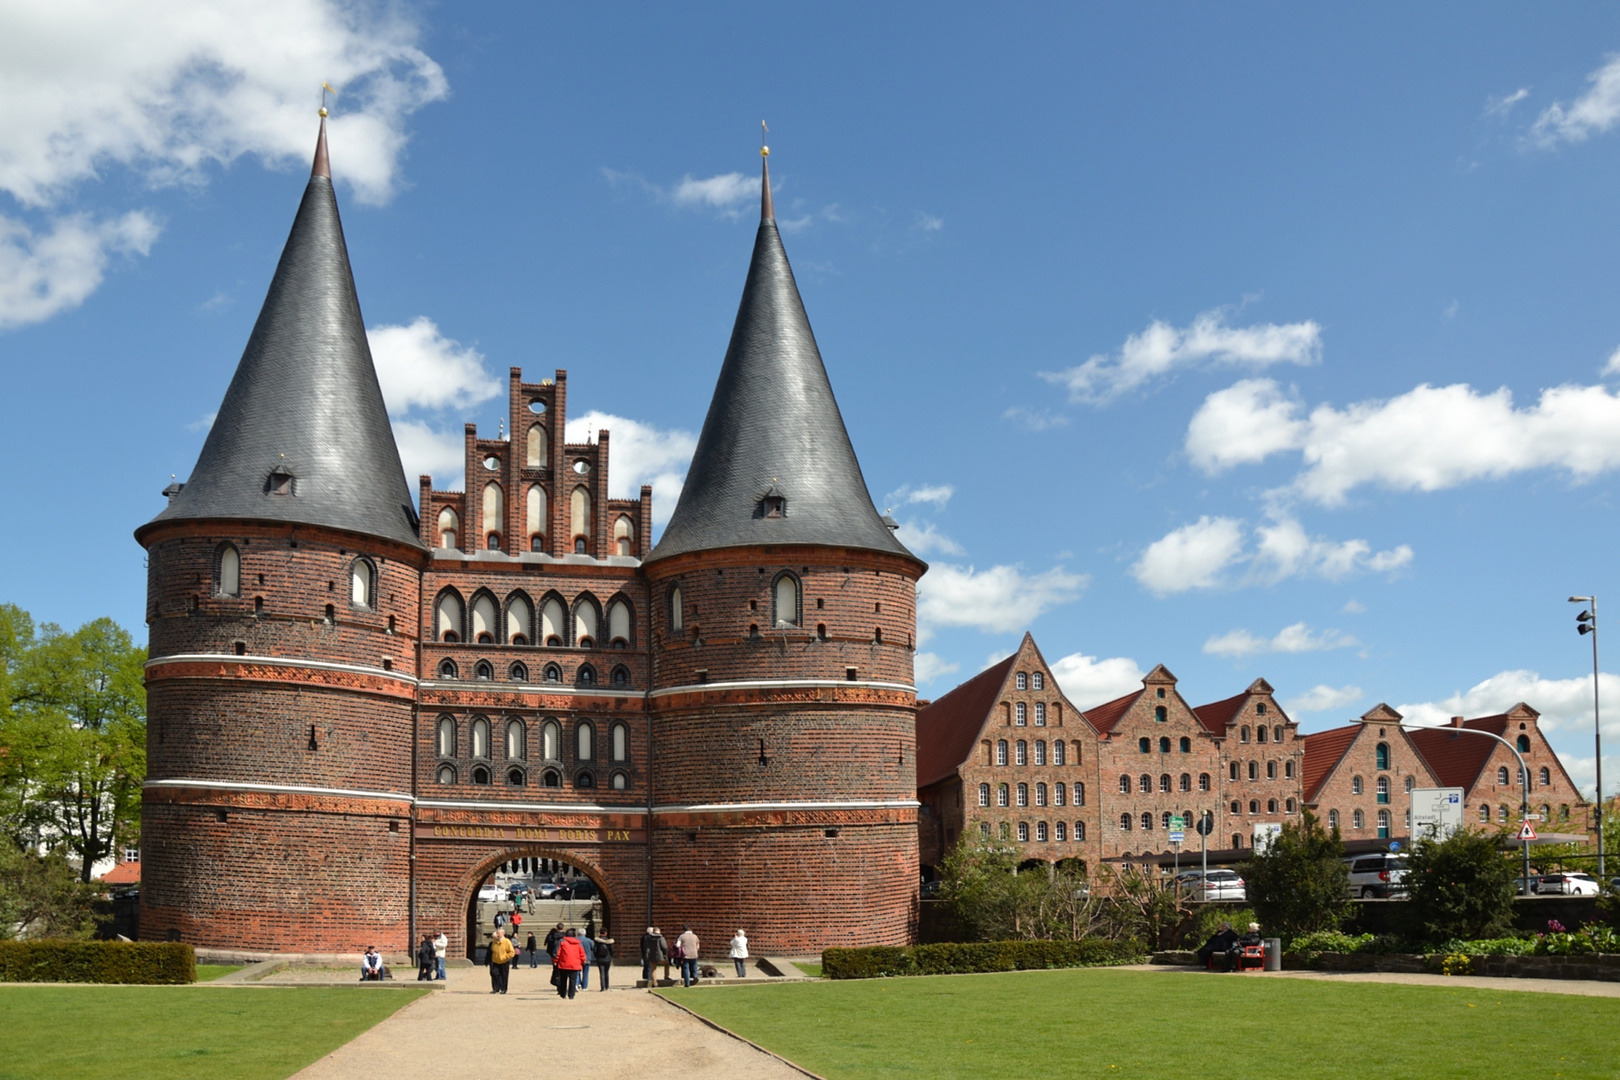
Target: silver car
{"points": [[1377, 877], [1218, 885], [1569, 884]]}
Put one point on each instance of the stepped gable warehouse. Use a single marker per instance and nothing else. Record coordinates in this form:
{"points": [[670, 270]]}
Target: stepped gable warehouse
{"points": [[357, 714]]}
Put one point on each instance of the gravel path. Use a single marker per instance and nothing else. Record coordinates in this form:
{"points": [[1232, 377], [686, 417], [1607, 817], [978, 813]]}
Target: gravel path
{"points": [[464, 1033]]}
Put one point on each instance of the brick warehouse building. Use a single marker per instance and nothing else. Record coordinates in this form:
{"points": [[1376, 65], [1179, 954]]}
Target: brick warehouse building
{"points": [[357, 711]]}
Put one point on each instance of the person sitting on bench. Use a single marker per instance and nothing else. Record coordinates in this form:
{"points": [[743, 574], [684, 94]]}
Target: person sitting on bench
{"points": [[1223, 945]]}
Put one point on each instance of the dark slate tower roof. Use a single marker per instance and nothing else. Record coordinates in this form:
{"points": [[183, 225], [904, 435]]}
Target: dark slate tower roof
{"points": [[773, 433], [304, 402]]}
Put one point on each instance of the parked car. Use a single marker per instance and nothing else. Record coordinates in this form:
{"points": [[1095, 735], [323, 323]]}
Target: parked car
{"points": [[583, 889], [1377, 877], [491, 894], [547, 890], [1569, 884], [1527, 886], [1218, 885]]}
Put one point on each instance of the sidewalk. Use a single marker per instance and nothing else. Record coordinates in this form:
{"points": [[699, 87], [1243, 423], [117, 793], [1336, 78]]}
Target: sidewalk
{"points": [[1579, 987], [465, 1033]]}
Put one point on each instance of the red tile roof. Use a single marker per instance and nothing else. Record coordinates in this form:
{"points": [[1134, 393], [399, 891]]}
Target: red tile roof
{"points": [[1103, 717], [947, 728], [125, 873], [1323, 751], [1454, 760], [1217, 714]]}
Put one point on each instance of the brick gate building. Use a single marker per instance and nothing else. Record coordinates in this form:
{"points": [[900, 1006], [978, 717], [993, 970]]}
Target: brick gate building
{"points": [[357, 711]]}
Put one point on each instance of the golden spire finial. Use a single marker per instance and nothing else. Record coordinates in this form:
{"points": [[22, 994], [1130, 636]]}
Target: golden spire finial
{"points": [[326, 88], [764, 151]]}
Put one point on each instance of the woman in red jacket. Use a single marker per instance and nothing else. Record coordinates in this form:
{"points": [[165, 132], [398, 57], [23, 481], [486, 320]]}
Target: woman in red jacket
{"points": [[570, 959]]}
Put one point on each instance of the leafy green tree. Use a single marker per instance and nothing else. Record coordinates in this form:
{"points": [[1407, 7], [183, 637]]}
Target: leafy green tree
{"points": [[1300, 883], [42, 897], [996, 901], [1142, 907], [1460, 887], [72, 736]]}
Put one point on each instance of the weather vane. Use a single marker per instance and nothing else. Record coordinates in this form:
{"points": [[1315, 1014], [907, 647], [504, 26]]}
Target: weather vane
{"points": [[326, 88]]}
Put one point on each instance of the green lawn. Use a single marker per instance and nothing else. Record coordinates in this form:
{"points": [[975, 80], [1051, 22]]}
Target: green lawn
{"points": [[1094, 1022], [812, 970], [210, 972], [181, 1032]]}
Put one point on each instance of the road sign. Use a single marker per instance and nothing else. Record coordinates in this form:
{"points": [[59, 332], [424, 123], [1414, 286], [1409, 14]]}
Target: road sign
{"points": [[1436, 812], [1205, 825], [1532, 817], [1394, 845], [1177, 836], [1264, 835], [1178, 822], [1527, 833]]}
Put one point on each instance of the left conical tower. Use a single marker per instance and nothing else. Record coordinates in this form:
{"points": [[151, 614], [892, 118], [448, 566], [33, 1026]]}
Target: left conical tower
{"points": [[283, 598]]}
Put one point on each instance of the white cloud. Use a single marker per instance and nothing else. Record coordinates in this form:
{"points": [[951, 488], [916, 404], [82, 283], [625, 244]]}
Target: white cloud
{"points": [[1034, 420], [1198, 556], [419, 367], [722, 192], [42, 274], [1501, 106], [1090, 681], [1612, 366], [1594, 112], [1427, 439], [426, 450], [1324, 698], [1354, 607], [1000, 599], [1564, 704], [168, 89], [925, 539], [1161, 349], [1191, 557], [1290, 639], [929, 666], [640, 454], [929, 223], [938, 494]]}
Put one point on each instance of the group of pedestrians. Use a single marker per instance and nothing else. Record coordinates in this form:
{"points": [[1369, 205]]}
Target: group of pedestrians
{"points": [[657, 951], [572, 955], [430, 957]]}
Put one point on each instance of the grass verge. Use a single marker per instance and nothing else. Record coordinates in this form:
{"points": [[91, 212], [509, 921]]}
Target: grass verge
{"points": [[812, 970], [210, 972], [179, 1032], [1093, 1022]]}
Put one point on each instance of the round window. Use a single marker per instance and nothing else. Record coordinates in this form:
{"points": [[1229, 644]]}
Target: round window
{"points": [[582, 467], [537, 406], [492, 463]]}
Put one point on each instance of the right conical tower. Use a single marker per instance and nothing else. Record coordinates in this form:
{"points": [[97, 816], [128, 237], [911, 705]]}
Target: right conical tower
{"points": [[784, 617]]}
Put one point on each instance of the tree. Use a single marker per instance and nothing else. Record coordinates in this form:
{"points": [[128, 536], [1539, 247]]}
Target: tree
{"points": [[997, 902], [1300, 883], [1146, 908], [72, 737], [1460, 887], [42, 897]]}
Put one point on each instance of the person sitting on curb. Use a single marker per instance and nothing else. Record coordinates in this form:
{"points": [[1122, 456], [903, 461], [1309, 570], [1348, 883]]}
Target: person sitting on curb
{"points": [[371, 965]]}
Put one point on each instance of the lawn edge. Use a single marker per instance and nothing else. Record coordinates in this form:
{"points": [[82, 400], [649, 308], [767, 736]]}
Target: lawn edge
{"points": [[794, 1065]]}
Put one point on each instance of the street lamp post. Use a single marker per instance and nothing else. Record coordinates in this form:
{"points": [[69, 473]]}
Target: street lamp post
{"points": [[1524, 777], [1586, 622]]}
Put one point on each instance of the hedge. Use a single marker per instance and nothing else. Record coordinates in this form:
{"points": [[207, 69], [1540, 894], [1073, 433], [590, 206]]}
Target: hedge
{"points": [[883, 961], [97, 962]]}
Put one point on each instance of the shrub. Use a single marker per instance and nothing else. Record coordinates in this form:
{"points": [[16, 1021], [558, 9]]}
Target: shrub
{"points": [[97, 962], [1460, 887], [1457, 964], [1314, 944], [995, 901], [1209, 918], [1299, 883], [885, 961], [1504, 946]]}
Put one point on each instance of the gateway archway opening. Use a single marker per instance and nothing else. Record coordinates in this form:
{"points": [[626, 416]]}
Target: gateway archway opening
{"points": [[543, 888]]}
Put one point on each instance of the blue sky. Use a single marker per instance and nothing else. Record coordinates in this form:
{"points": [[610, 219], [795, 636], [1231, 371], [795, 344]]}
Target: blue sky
{"points": [[1251, 340]]}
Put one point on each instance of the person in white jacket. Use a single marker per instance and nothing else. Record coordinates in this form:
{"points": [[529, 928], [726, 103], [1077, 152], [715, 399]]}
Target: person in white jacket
{"points": [[739, 953], [440, 944]]}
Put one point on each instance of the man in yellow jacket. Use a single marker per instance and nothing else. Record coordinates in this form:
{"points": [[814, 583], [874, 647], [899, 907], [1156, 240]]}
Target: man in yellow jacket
{"points": [[500, 962]]}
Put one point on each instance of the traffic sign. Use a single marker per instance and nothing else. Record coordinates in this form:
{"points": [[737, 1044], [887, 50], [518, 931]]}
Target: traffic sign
{"points": [[1178, 822], [1527, 833], [1177, 836], [1205, 825]]}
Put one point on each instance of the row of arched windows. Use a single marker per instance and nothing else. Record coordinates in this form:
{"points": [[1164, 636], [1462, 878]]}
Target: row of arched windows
{"points": [[1236, 770], [1358, 820], [487, 621], [518, 671], [1030, 680], [1059, 794], [1145, 745], [535, 520], [228, 577], [1128, 821], [514, 734], [1021, 752], [1021, 714], [482, 774], [1546, 813], [1261, 732], [787, 611], [1543, 778], [1144, 783], [1056, 832], [1271, 806]]}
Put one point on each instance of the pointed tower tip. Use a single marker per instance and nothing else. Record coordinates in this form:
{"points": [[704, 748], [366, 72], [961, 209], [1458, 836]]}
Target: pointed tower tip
{"points": [[322, 166], [767, 212]]}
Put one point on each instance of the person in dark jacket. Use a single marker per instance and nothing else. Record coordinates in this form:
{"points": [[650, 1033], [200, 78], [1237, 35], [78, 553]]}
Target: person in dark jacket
{"points": [[533, 952], [425, 959], [654, 951], [570, 959], [1223, 944], [553, 936], [604, 960]]}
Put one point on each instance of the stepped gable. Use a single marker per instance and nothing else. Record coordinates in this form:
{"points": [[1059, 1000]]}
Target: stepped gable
{"points": [[773, 464], [1323, 751], [947, 728], [302, 435]]}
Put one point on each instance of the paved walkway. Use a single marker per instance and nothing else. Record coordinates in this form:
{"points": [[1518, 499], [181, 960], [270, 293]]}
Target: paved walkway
{"points": [[464, 1033], [1580, 987]]}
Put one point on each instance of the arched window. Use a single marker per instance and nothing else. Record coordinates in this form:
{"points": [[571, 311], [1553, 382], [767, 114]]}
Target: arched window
{"points": [[1237, 841], [1271, 770], [363, 583], [1237, 807], [553, 673], [447, 736], [1023, 832], [1254, 806], [449, 618], [1040, 832], [1002, 798], [1203, 781], [553, 623], [621, 743], [1254, 770], [534, 517], [1001, 751], [619, 624], [447, 669], [1383, 789], [518, 672], [1164, 781], [579, 518], [1381, 754], [1545, 777], [1485, 813], [514, 777], [516, 741], [1333, 819], [1356, 787], [551, 741], [587, 675], [1411, 782], [984, 830], [1040, 794], [519, 616], [1383, 824], [1277, 733], [1160, 714], [551, 778], [1037, 680], [624, 536], [1502, 813], [1271, 806], [1358, 820], [1040, 714], [584, 623], [1186, 745], [984, 794], [1021, 681], [480, 738], [1144, 745], [785, 601], [1079, 830], [1234, 770], [677, 615], [1563, 811], [1062, 831], [1124, 823], [1243, 733], [1144, 783], [1524, 744], [230, 571], [1057, 752], [621, 676], [449, 528], [1502, 775], [537, 447], [1288, 769], [1023, 794], [1040, 751], [586, 779], [1147, 821], [494, 513], [1185, 783], [1060, 795], [1164, 744], [1079, 794], [446, 774], [1020, 752], [1288, 805], [585, 741], [1260, 733], [485, 623], [620, 781], [484, 670]]}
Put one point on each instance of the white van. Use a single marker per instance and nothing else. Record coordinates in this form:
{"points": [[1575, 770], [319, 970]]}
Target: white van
{"points": [[1378, 876]]}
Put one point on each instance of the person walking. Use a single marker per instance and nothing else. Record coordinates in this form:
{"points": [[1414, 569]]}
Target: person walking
{"points": [[739, 954], [440, 945], [604, 960], [654, 951], [553, 936], [534, 950], [687, 944], [589, 947], [570, 958], [517, 922], [500, 962], [424, 959]]}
